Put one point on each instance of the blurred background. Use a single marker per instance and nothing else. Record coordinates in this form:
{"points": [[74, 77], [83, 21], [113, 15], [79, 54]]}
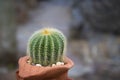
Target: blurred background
{"points": [[92, 28]]}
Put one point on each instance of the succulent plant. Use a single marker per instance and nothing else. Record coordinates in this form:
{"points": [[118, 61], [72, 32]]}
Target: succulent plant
{"points": [[46, 47]]}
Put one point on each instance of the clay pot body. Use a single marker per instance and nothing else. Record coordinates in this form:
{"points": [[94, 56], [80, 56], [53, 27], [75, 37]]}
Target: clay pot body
{"points": [[29, 72]]}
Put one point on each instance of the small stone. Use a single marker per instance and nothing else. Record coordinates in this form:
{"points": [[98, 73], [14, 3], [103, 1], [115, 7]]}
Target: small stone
{"points": [[28, 61], [58, 63], [38, 65], [53, 65], [33, 64], [62, 63]]}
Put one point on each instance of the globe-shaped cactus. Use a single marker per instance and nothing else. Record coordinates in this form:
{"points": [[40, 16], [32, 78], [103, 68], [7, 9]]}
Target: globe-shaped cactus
{"points": [[46, 47]]}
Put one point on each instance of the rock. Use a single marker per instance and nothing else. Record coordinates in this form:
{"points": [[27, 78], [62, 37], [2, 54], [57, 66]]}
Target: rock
{"points": [[38, 64]]}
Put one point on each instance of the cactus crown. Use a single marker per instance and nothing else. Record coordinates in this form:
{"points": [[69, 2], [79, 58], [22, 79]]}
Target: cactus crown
{"points": [[46, 47]]}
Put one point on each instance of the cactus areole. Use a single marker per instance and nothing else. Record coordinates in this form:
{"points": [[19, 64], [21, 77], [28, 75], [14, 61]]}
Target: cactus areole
{"points": [[46, 47]]}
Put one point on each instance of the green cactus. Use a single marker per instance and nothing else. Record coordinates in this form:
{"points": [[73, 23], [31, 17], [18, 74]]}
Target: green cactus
{"points": [[46, 47]]}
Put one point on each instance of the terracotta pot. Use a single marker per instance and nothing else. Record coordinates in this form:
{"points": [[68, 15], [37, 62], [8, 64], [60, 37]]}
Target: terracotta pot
{"points": [[30, 72]]}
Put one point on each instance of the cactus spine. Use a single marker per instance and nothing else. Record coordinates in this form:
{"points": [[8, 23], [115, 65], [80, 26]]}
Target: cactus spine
{"points": [[46, 47]]}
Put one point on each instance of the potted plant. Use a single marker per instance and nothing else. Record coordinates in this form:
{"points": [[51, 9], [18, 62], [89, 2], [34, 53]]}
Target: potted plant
{"points": [[45, 59]]}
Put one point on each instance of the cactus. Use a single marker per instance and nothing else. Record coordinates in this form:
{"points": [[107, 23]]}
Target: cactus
{"points": [[46, 47]]}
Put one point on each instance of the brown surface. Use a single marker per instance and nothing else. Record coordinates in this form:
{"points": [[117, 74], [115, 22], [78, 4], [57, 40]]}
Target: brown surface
{"points": [[30, 72]]}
